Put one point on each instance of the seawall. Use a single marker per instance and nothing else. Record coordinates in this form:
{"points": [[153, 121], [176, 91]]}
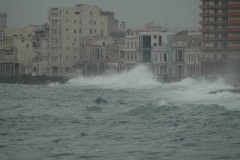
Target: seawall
{"points": [[33, 80]]}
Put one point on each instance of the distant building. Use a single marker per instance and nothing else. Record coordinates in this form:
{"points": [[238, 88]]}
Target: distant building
{"points": [[220, 50], [185, 55], [67, 26], [3, 20], [24, 51]]}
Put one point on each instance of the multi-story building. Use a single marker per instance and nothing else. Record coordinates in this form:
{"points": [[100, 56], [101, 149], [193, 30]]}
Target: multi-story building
{"points": [[3, 20], [185, 55], [67, 25], [153, 51], [24, 51], [220, 50]]}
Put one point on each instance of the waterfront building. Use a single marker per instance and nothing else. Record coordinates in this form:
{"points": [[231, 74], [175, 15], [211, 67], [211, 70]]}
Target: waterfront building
{"points": [[24, 51], [67, 26], [220, 50], [3, 20], [185, 55], [153, 51]]}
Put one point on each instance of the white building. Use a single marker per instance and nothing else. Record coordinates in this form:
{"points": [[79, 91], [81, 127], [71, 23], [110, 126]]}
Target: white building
{"points": [[67, 26]]}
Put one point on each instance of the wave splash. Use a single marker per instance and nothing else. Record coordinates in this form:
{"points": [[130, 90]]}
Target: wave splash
{"points": [[139, 77]]}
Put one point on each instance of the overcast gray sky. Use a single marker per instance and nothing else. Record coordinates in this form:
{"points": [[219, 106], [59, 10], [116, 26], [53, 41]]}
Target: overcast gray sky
{"points": [[179, 13]]}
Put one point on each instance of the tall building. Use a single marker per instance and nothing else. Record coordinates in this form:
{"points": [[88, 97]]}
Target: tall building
{"points": [[69, 28], [3, 20], [220, 50]]}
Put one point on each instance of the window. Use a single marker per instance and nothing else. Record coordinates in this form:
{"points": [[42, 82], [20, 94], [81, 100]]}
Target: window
{"points": [[155, 37], [95, 31], [75, 39], [90, 13], [67, 57], [67, 48], [103, 43], [80, 30], [131, 44], [90, 22], [75, 57], [155, 44], [27, 45], [95, 22], [77, 13], [67, 12], [66, 29], [90, 31], [75, 21], [80, 22], [215, 56], [75, 31]]}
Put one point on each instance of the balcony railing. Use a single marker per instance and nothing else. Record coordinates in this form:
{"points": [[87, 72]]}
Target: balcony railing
{"points": [[228, 48], [220, 30], [233, 6], [179, 60], [232, 38], [220, 22]]}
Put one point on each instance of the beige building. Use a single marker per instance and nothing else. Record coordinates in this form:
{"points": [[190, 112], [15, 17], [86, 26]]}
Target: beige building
{"points": [[25, 51], [67, 26], [185, 60], [97, 47], [3, 20], [220, 50]]}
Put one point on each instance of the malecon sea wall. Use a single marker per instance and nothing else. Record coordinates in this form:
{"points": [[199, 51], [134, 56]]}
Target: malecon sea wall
{"points": [[33, 80]]}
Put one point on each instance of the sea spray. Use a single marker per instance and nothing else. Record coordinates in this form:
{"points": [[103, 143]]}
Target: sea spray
{"points": [[139, 77]]}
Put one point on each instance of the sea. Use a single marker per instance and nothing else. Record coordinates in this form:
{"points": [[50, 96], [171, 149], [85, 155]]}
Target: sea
{"points": [[127, 116]]}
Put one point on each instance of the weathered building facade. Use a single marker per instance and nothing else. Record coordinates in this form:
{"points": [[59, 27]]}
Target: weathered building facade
{"points": [[67, 26], [220, 50], [23, 51]]}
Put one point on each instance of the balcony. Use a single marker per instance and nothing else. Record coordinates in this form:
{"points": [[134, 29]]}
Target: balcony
{"points": [[220, 14], [229, 48], [212, 59], [220, 22], [229, 6], [179, 60], [129, 49], [7, 48], [205, 30], [232, 38]]}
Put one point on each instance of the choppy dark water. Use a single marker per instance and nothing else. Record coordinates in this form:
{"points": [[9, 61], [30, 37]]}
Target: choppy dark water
{"points": [[135, 118]]}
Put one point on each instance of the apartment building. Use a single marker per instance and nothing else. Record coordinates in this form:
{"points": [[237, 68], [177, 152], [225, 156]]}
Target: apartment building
{"points": [[24, 51], [3, 20], [220, 50], [67, 26]]}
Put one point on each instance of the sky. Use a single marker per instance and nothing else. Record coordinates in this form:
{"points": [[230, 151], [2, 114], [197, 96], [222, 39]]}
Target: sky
{"points": [[136, 13]]}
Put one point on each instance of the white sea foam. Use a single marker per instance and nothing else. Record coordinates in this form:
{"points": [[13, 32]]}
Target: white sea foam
{"points": [[139, 77], [163, 103]]}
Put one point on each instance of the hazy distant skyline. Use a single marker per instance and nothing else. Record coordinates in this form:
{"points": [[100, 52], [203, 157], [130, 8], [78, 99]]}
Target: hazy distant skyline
{"points": [[136, 13]]}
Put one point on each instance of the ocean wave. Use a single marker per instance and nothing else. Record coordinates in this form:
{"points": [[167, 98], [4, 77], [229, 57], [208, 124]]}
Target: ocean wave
{"points": [[139, 77]]}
